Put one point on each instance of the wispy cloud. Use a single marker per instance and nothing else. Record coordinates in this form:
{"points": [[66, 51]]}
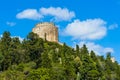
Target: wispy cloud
{"points": [[113, 26], [98, 49], [1, 36], [10, 23], [90, 29], [58, 14], [20, 38]]}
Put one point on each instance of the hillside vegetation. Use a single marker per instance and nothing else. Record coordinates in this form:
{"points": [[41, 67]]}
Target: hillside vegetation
{"points": [[37, 59]]}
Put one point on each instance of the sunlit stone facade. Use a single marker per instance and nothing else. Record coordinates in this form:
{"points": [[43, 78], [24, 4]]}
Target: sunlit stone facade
{"points": [[46, 31]]}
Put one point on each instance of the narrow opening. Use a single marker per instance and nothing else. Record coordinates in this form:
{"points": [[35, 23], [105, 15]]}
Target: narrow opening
{"points": [[45, 36]]}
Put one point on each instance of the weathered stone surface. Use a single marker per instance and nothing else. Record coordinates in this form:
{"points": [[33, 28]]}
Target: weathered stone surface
{"points": [[46, 31]]}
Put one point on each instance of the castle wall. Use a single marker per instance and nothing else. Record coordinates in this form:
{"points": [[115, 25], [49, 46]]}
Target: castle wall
{"points": [[47, 31]]}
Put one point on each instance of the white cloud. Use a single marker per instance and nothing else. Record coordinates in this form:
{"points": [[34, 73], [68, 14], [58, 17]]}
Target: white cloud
{"points": [[113, 26], [58, 13], [98, 49], [11, 23], [29, 14], [1, 36], [20, 38], [89, 29]]}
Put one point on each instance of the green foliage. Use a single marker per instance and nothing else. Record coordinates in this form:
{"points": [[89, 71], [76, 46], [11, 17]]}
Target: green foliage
{"points": [[38, 59], [46, 62], [93, 75], [12, 75], [39, 74]]}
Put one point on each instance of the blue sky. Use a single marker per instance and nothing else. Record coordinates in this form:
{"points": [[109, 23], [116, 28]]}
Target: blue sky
{"points": [[91, 22]]}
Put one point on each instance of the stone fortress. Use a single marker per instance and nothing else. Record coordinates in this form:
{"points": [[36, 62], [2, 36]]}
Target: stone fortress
{"points": [[47, 31]]}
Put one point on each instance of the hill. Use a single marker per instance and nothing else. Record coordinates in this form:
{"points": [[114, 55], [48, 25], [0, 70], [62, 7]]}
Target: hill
{"points": [[38, 59]]}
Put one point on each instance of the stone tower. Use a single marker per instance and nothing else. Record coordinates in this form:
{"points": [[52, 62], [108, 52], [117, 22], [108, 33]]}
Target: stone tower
{"points": [[47, 31]]}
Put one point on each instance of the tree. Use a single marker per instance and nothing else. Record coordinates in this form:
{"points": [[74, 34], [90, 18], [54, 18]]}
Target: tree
{"points": [[93, 75], [33, 46], [12, 75], [1, 60], [32, 36], [77, 50], [15, 43], [93, 56], [6, 38], [5, 42], [108, 66], [39, 74], [46, 62]]}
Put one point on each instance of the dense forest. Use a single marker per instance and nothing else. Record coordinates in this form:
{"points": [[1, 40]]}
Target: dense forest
{"points": [[37, 59]]}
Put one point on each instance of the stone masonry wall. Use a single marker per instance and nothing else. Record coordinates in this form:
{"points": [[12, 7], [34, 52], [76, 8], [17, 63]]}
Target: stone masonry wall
{"points": [[47, 31]]}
